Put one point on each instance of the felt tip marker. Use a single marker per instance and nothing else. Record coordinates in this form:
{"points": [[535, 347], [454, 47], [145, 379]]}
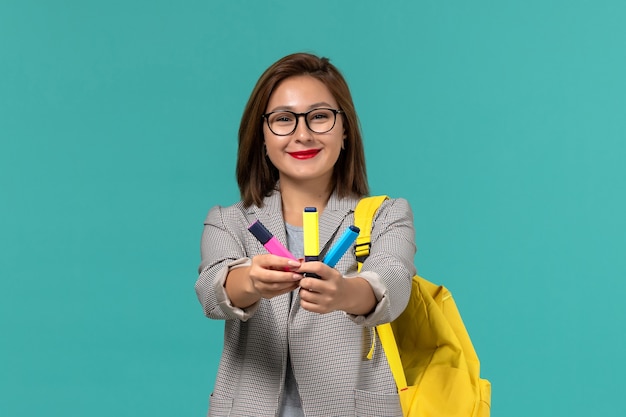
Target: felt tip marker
{"points": [[310, 223], [269, 241], [345, 241]]}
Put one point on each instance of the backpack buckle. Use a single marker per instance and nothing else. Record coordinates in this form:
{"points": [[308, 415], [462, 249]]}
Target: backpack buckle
{"points": [[362, 251]]}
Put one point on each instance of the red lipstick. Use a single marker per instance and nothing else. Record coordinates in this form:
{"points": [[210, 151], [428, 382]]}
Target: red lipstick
{"points": [[310, 153]]}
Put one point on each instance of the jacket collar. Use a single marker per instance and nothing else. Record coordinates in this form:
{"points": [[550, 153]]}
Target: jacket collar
{"points": [[336, 210]]}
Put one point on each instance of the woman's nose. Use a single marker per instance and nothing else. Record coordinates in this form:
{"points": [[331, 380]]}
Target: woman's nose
{"points": [[303, 132]]}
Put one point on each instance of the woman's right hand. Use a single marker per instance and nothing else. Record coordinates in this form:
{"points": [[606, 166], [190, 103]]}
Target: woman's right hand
{"points": [[272, 275], [266, 277]]}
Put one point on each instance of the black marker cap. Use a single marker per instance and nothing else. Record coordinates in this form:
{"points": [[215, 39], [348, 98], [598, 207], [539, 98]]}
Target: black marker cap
{"points": [[260, 232]]}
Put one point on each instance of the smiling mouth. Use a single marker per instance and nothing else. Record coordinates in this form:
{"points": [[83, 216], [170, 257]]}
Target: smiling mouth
{"points": [[304, 154]]}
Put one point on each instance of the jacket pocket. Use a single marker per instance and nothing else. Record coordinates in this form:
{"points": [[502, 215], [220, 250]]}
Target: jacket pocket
{"points": [[219, 406], [374, 404]]}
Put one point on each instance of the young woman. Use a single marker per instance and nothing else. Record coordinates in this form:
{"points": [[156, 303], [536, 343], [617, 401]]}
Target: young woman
{"points": [[296, 345]]}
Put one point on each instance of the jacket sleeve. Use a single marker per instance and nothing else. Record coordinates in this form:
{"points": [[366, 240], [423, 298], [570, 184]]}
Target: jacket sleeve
{"points": [[221, 250], [390, 266]]}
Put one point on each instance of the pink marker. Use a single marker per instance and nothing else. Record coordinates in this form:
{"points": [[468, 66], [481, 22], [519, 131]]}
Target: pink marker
{"points": [[268, 240]]}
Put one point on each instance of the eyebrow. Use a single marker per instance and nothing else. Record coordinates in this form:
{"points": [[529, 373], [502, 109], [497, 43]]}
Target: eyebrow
{"points": [[319, 104]]}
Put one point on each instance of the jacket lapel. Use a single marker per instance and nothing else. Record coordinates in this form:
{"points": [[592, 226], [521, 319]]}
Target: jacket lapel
{"points": [[271, 215], [332, 217]]}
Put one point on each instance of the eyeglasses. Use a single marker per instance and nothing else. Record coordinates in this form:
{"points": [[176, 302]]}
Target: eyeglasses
{"points": [[284, 122]]}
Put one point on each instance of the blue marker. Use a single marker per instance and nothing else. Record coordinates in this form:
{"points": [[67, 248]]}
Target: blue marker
{"points": [[336, 252]]}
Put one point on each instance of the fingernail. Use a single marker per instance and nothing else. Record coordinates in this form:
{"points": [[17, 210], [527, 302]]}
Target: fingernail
{"points": [[296, 277], [293, 263]]}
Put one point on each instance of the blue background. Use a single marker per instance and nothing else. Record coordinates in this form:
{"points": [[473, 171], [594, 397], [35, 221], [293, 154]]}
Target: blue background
{"points": [[502, 122]]}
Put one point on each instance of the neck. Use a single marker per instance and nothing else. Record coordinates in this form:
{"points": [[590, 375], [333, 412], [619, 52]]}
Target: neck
{"points": [[295, 197]]}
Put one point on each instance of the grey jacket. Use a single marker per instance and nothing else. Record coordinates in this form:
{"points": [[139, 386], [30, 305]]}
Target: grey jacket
{"points": [[328, 351]]}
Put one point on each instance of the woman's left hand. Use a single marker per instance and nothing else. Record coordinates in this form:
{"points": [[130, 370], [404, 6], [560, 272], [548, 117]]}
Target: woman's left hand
{"points": [[332, 292]]}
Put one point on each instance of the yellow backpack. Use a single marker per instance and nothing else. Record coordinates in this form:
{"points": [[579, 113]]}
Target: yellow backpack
{"points": [[428, 349]]}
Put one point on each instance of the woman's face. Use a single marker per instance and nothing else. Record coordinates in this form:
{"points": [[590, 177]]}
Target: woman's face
{"points": [[303, 155]]}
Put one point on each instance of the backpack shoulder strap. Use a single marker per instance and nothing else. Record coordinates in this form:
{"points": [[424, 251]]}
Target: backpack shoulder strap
{"points": [[363, 217]]}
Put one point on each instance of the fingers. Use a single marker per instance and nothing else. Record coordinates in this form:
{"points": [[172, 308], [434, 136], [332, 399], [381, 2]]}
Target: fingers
{"points": [[324, 294], [273, 275], [318, 270], [275, 262], [319, 277], [317, 302]]}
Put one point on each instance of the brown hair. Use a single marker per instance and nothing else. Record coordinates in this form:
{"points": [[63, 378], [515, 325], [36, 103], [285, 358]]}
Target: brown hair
{"points": [[256, 175]]}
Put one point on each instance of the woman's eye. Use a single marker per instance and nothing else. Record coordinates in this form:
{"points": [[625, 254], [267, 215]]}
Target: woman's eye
{"points": [[319, 116], [283, 118]]}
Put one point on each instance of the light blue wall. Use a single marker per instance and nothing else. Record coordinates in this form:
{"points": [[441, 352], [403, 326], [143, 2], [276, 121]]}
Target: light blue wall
{"points": [[503, 123]]}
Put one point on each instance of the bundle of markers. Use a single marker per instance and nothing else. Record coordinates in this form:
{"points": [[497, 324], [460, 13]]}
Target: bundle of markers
{"points": [[311, 239]]}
